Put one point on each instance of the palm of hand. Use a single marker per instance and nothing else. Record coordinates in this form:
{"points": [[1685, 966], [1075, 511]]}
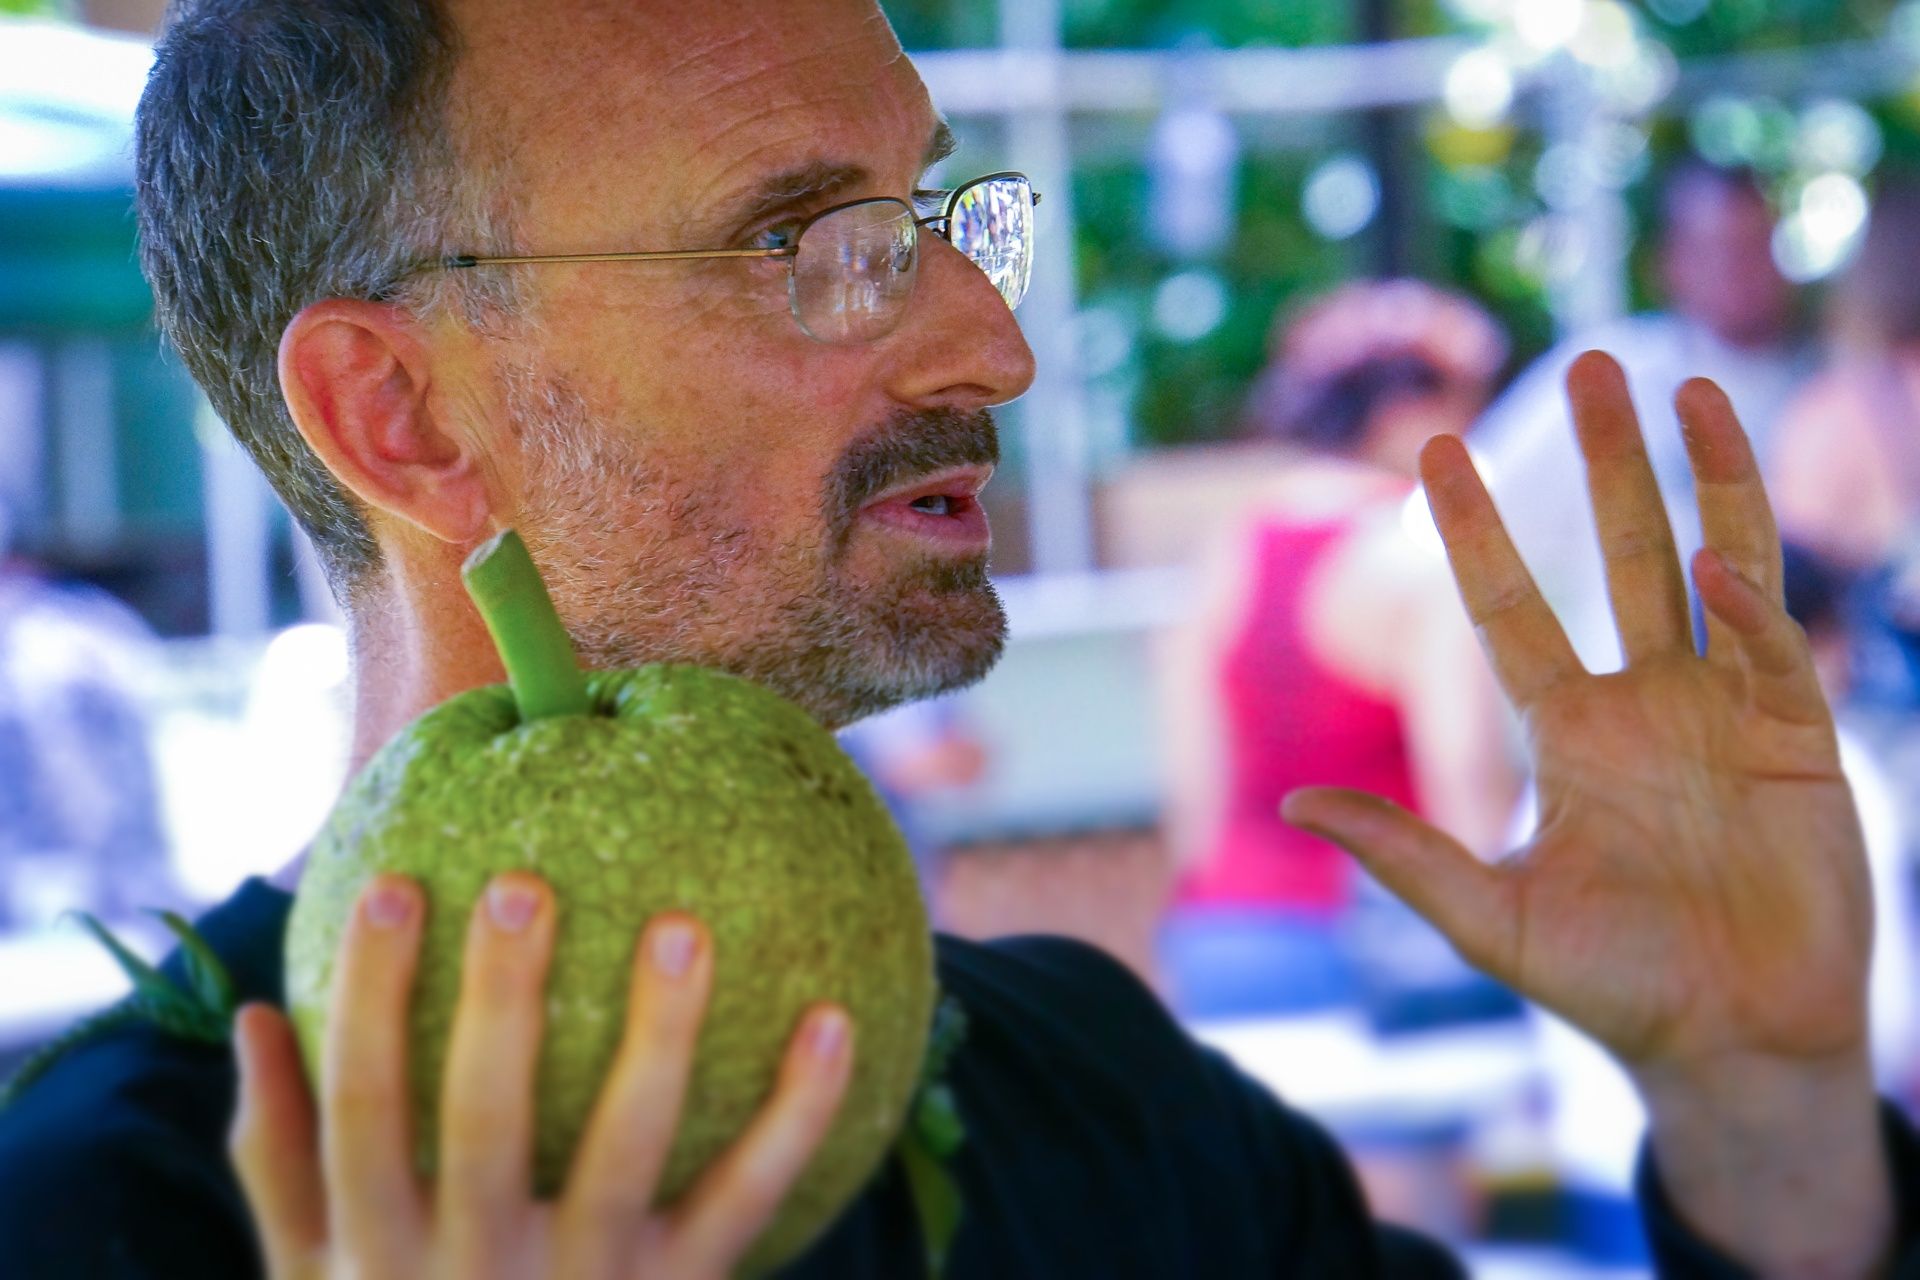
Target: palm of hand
{"points": [[1696, 886], [1697, 883]]}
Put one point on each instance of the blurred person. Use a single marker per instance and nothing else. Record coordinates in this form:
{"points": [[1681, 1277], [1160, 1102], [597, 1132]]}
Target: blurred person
{"points": [[1846, 470], [766, 462], [1329, 648], [1846, 473], [80, 812], [1730, 316]]}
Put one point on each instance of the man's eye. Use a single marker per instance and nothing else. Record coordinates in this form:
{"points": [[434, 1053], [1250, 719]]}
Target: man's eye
{"points": [[781, 235], [929, 203]]}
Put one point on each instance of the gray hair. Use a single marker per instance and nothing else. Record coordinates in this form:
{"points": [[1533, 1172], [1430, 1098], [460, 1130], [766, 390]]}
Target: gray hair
{"points": [[289, 151]]}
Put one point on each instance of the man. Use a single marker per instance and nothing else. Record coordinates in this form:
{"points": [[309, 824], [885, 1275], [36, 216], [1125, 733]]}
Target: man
{"points": [[769, 465], [1730, 318]]}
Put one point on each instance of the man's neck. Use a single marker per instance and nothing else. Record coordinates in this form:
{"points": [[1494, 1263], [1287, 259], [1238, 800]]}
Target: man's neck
{"points": [[415, 649], [400, 673]]}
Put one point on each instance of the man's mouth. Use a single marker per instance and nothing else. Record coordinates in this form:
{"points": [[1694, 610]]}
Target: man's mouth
{"points": [[941, 509]]}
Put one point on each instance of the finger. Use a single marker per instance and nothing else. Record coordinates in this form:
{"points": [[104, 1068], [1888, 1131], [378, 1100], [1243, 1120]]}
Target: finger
{"points": [[1431, 872], [733, 1201], [1643, 569], [1522, 638], [486, 1097], [1780, 673], [616, 1168], [1735, 516], [366, 1119], [274, 1141]]}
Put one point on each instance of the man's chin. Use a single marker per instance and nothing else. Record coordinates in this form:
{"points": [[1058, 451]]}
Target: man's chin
{"points": [[944, 632]]}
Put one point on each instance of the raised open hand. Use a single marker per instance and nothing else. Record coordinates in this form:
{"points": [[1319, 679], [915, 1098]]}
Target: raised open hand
{"points": [[1697, 889]]}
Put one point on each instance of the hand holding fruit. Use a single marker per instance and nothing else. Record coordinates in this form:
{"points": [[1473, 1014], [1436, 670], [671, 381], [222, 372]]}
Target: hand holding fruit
{"points": [[336, 1194], [487, 1058]]}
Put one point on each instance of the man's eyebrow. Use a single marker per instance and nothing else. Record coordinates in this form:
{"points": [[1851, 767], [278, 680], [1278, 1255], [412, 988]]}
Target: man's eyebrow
{"points": [[943, 145], [794, 189], [809, 183]]}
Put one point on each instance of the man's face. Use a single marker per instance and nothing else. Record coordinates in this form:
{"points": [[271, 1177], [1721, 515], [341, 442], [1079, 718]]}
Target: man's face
{"points": [[696, 476], [1718, 259]]}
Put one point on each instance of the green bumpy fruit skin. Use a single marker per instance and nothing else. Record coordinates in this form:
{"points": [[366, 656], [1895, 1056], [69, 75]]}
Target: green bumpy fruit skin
{"points": [[686, 790]]}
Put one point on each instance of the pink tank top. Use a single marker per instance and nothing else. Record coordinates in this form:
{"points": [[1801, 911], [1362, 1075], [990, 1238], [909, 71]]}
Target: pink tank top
{"points": [[1289, 722]]}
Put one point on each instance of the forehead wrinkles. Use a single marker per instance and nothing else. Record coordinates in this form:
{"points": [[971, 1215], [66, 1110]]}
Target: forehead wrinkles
{"points": [[844, 103], [687, 90]]}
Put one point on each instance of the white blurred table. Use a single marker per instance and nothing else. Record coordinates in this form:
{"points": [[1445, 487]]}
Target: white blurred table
{"points": [[1334, 1066], [1541, 1264]]}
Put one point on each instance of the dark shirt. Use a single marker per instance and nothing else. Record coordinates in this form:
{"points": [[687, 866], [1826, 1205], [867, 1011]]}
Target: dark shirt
{"points": [[1101, 1142]]}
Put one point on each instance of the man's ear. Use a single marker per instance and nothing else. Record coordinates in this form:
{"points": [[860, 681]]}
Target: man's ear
{"points": [[359, 383]]}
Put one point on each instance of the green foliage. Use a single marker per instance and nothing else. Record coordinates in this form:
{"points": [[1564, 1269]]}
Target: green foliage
{"points": [[1736, 26], [1471, 198], [1192, 390], [944, 24], [1150, 24], [1097, 24]]}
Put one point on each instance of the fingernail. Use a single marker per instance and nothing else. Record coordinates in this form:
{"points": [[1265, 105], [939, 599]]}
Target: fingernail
{"points": [[511, 904], [673, 946], [388, 907], [829, 1033]]}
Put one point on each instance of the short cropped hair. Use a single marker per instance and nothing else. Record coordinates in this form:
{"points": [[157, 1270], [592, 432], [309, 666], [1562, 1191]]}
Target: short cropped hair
{"points": [[289, 151]]}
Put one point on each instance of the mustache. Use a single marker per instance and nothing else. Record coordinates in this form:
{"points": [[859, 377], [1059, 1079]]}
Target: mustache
{"points": [[912, 443]]}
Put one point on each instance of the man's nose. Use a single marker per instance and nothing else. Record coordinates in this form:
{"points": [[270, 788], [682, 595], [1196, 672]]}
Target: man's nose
{"points": [[960, 346]]}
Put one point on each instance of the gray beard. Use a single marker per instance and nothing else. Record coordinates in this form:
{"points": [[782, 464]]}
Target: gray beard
{"points": [[642, 569]]}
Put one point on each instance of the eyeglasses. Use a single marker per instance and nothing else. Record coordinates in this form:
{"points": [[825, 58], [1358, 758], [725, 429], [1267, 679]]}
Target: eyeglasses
{"points": [[851, 269]]}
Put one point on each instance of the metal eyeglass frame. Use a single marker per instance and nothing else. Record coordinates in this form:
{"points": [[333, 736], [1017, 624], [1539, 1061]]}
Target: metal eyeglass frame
{"points": [[462, 261]]}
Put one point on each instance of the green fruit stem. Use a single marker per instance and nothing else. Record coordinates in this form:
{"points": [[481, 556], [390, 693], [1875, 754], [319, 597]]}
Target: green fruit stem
{"points": [[534, 646]]}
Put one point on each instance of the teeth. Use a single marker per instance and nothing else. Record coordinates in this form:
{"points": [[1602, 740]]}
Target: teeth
{"points": [[937, 504]]}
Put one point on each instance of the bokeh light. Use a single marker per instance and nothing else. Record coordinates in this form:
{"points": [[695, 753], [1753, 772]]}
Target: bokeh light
{"points": [[1189, 305], [1341, 196], [1479, 89]]}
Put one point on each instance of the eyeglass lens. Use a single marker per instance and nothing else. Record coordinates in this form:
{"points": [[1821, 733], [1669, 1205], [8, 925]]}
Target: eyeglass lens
{"points": [[854, 271], [992, 223], [855, 267]]}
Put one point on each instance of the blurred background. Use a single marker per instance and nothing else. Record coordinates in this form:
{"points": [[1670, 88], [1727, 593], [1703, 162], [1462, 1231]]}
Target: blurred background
{"points": [[1282, 243]]}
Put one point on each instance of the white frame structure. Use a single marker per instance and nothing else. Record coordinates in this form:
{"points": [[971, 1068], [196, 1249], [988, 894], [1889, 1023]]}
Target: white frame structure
{"points": [[1031, 88]]}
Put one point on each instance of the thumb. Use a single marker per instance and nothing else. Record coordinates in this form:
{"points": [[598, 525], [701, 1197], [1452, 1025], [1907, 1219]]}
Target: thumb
{"points": [[1422, 866]]}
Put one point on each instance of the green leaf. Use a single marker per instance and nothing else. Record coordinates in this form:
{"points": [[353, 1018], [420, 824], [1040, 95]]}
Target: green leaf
{"points": [[205, 1014], [936, 1117], [936, 1201], [179, 1016], [932, 1134], [46, 1055], [208, 975], [147, 980], [949, 1032]]}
